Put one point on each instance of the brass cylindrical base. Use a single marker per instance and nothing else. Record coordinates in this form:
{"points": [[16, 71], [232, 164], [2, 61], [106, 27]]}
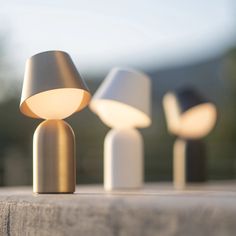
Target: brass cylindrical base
{"points": [[54, 158]]}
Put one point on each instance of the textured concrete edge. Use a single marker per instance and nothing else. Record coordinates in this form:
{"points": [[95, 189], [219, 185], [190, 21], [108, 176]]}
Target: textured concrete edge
{"points": [[114, 217]]}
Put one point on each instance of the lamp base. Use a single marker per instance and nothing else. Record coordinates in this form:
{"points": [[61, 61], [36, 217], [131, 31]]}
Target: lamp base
{"points": [[54, 158], [189, 162], [123, 159]]}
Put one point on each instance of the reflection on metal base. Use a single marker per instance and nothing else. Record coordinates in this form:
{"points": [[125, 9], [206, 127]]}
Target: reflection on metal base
{"points": [[54, 158], [189, 162]]}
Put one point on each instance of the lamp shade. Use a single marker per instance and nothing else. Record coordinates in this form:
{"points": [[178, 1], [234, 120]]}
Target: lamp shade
{"points": [[123, 99], [52, 88], [189, 114]]}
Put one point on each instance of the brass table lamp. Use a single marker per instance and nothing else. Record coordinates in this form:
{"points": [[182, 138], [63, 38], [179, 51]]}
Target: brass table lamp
{"points": [[53, 90]]}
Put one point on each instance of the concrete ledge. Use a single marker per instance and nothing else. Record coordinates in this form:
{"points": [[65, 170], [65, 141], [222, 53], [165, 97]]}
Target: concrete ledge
{"points": [[156, 210]]}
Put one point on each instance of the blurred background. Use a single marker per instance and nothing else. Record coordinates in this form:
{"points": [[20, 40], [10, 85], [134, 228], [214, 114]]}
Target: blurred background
{"points": [[178, 43]]}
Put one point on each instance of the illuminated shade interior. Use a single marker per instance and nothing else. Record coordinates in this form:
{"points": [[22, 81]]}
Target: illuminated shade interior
{"points": [[119, 115], [197, 121], [56, 103], [172, 113]]}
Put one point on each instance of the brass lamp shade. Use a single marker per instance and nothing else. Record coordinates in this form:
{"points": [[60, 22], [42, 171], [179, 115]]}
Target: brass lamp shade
{"points": [[52, 71]]}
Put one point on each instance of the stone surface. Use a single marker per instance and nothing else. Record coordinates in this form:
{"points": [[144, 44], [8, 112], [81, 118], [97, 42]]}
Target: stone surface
{"points": [[208, 209]]}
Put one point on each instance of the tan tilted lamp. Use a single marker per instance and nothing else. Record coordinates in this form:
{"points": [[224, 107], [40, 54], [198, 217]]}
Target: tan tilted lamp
{"points": [[190, 117], [53, 90], [123, 102]]}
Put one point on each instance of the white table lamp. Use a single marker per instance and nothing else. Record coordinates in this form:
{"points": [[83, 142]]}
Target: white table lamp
{"points": [[123, 103]]}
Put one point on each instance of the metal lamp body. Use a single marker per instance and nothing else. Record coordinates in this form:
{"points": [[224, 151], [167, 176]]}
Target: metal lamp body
{"points": [[47, 71], [123, 159], [51, 84], [54, 158]]}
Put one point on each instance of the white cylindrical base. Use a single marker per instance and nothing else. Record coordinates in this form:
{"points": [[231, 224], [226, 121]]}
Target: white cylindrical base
{"points": [[123, 159]]}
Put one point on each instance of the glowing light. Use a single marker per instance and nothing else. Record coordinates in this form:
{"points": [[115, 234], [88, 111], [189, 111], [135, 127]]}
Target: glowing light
{"points": [[119, 115], [172, 112], [56, 103], [197, 121]]}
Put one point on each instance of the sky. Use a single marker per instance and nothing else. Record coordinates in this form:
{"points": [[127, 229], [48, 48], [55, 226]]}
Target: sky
{"points": [[99, 35]]}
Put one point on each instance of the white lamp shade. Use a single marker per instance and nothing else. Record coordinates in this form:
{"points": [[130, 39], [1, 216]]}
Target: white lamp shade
{"points": [[123, 99]]}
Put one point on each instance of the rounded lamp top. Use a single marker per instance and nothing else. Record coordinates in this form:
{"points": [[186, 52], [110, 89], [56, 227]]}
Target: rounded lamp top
{"points": [[123, 99], [188, 114], [52, 87]]}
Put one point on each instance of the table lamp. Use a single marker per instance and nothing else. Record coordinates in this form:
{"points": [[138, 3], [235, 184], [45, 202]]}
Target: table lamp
{"points": [[190, 117], [53, 90], [123, 103]]}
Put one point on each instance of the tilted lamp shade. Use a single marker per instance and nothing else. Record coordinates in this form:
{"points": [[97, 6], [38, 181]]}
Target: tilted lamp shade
{"points": [[123, 99], [188, 114], [52, 88]]}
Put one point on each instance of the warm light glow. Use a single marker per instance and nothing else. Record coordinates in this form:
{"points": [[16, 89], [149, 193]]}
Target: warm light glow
{"points": [[119, 115], [193, 123], [172, 112], [56, 103], [197, 121]]}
